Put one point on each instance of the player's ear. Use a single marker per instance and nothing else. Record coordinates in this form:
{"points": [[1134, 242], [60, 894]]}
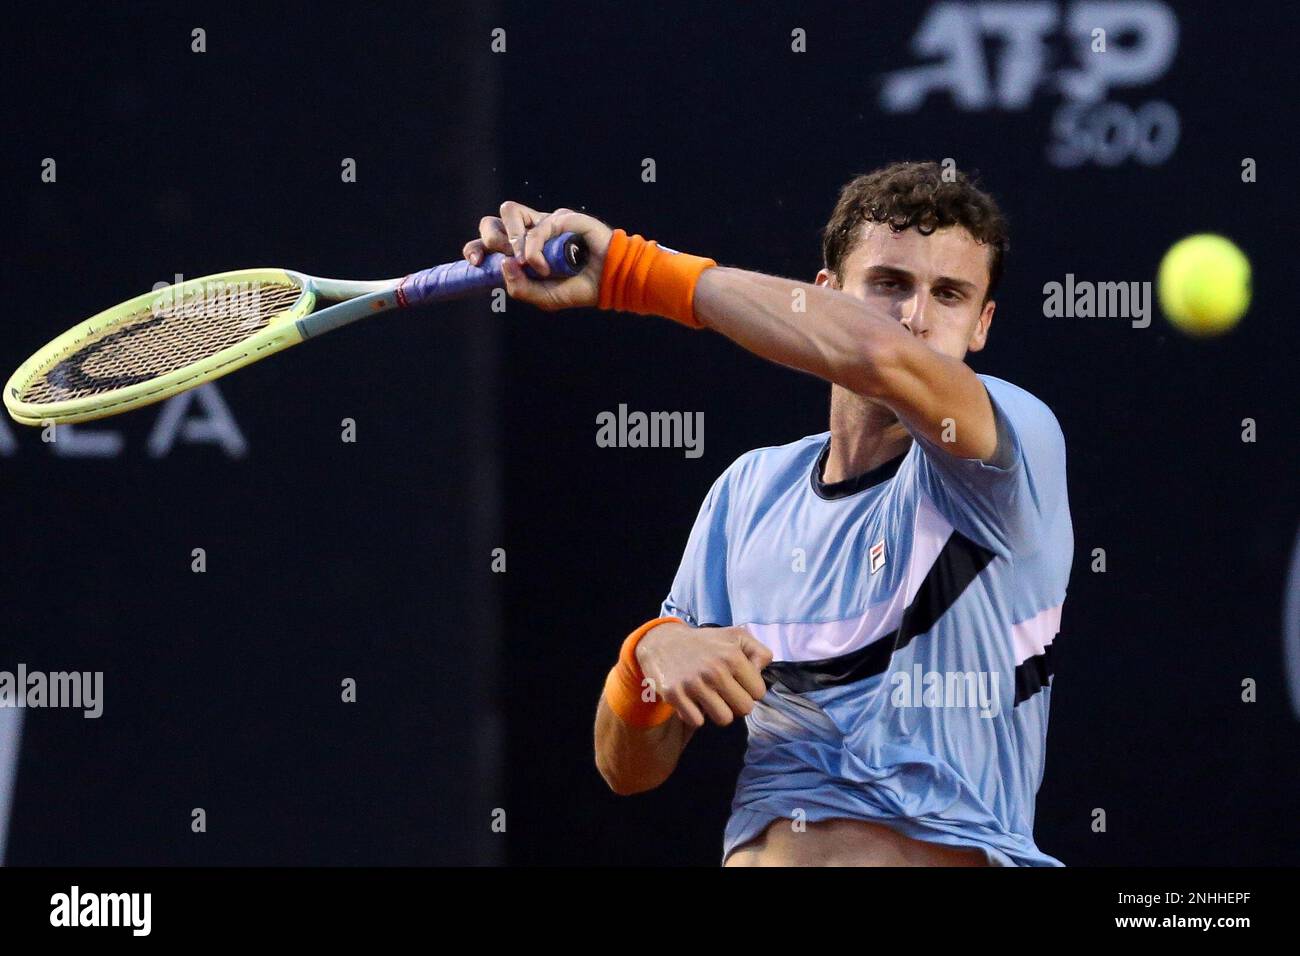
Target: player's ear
{"points": [[826, 278], [980, 334]]}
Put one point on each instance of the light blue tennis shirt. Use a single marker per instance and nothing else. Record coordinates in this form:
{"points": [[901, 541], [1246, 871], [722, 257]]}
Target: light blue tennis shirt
{"points": [[910, 612]]}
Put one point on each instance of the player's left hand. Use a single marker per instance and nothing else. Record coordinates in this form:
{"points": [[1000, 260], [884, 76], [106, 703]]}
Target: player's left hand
{"points": [[520, 234]]}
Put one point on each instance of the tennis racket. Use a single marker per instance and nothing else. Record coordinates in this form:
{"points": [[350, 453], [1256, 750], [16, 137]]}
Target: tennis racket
{"points": [[175, 338]]}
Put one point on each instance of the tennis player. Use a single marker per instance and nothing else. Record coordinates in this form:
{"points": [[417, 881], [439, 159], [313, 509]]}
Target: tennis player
{"points": [[878, 601]]}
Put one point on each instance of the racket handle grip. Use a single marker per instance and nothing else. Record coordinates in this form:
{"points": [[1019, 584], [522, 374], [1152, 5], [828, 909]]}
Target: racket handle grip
{"points": [[566, 254]]}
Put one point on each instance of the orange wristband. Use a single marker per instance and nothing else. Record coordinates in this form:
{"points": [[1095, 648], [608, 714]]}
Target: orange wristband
{"points": [[641, 276], [623, 691]]}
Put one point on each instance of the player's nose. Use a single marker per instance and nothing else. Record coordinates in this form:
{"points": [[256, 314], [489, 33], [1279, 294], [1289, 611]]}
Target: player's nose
{"points": [[914, 314]]}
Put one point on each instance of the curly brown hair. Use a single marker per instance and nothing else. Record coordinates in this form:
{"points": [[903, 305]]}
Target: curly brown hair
{"points": [[907, 195]]}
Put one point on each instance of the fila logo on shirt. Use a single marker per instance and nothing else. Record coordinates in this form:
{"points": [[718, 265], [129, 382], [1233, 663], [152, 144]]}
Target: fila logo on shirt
{"points": [[877, 555]]}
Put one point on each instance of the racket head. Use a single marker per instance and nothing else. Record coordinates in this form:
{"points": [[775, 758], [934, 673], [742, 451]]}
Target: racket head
{"points": [[159, 344]]}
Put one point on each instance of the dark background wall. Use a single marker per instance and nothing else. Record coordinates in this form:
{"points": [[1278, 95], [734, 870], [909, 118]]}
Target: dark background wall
{"points": [[478, 691], [326, 560]]}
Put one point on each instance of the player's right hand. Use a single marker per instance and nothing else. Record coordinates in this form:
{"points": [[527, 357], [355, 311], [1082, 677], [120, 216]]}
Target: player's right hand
{"points": [[705, 673], [520, 234]]}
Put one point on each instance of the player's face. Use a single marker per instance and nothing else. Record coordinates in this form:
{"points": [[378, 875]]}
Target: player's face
{"points": [[934, 285]]}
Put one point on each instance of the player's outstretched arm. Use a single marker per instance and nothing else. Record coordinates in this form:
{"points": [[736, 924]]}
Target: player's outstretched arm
{"points": [[845, 341], [812, 328]]}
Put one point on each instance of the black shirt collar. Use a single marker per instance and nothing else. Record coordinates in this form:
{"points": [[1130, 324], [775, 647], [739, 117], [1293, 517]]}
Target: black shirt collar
{"points": [[851, 486]]}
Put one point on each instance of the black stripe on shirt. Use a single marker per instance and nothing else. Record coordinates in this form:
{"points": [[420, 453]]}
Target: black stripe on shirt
{"points": [[1033, 675], [956, 566]]}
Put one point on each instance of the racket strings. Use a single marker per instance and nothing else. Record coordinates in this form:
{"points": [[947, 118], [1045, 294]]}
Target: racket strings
{"points": [[162, 338]]}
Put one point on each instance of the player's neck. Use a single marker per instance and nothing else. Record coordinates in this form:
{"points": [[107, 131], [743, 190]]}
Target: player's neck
{"points": [[864, 435]]}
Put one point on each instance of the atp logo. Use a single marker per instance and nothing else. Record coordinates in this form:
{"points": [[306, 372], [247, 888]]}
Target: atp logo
{"points": [[1110, 46], [210, 424]]}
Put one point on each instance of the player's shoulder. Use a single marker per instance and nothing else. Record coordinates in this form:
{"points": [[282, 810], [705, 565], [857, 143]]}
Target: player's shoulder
{"points": [[773, 464], [1023, 407]]}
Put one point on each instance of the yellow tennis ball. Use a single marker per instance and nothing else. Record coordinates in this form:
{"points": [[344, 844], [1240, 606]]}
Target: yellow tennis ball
{"points": [[1204, 284]]}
